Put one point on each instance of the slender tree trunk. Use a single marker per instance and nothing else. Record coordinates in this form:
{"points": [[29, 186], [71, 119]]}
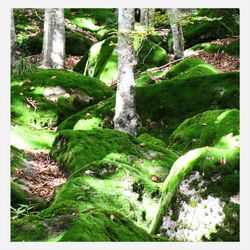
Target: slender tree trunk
{"points": [[147, 17], [126, 118], [177, 33], [53, 53], [13, 38]]}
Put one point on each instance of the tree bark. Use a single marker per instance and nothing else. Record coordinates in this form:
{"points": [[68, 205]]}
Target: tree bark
{"points": [[177, 33], [147, 17], [126, 118], [13, 38], [53, 53]]}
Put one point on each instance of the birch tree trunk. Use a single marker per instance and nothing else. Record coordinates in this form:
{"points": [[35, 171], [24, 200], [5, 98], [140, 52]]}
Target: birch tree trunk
{"points": [[53, 53], [177, 33], [126, 118], [13, 38], [147, 17]]}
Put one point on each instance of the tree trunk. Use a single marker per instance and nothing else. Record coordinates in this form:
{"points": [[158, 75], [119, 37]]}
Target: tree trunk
{"points": [[126, 118], [13, 38], [53, 53], [177, 33], [147, 17]]}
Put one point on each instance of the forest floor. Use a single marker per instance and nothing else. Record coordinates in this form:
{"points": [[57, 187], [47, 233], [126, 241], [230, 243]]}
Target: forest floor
{"points": [[221, 61], [42, 175]]}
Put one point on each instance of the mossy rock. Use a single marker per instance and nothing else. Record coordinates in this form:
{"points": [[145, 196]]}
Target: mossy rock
{"points": [[213, 127], [209, 30], [73, 149], [46, 97], [152, 140], [103, 62], [200, 200], [28, 137], [79, 67], [191, 67], [110, 195], [22, 195], [231, 49], [18, 159], [74, 226], [98, 21], [169, 103], [75, 44], [224, 25]]}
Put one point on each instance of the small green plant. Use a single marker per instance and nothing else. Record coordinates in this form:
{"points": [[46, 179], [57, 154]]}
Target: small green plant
{"points": [[22, 66], [22, 211]]}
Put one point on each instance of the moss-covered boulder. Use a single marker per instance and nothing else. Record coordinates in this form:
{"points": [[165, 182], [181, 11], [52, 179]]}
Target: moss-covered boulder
{"points": [[77, 225], [73, 149], [232, 48], [75, 44], [99, 21], [103, 62], [169, 103], [213, 127], [46, 97], [200, 200], [191, 67], [216, 23], [134, 168], [112, 193]]}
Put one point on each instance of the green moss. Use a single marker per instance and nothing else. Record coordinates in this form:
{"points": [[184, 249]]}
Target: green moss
{"points": [[79, 67], [190, 67], [55, 94], [169, 103], [212, 127], [28, 137], [93, 20], [74, 149], [207, 162], [98, 226], [75, 44], [230, 49], [210, 30], [152, 140], [18, 159], [146, 78], [233, 48], [229, 231], [110, 195], [18, 196], [103, 62]]}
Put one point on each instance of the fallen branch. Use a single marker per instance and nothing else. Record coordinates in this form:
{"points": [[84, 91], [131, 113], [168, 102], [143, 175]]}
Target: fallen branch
{"points": [[172, 62]]}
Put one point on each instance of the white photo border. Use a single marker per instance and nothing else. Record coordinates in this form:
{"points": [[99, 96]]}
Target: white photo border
{"points": [[243, 5]]}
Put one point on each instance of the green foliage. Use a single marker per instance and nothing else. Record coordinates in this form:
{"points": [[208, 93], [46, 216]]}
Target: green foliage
{"points": [[21, 211]]}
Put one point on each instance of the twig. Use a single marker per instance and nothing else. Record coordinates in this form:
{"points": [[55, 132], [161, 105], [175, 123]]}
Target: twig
{"points": [[172, 62]]}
